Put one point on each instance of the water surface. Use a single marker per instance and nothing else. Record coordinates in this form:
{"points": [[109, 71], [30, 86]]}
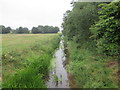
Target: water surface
{"points": [[58, 77]]}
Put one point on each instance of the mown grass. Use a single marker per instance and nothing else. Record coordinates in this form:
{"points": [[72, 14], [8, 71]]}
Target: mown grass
{"points": [[26, 59], [90, 69]]}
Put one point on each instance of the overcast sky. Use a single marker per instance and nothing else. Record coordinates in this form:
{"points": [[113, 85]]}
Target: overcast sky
{"points": [[29, 13]]}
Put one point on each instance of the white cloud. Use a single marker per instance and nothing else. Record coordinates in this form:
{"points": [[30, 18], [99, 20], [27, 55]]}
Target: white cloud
{"points": [[29, 13]]}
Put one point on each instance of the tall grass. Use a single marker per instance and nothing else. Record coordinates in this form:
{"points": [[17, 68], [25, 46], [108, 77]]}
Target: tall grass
{"points": [[91, 70], [29, 67]]}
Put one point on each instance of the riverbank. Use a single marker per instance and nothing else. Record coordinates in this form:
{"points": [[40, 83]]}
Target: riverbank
{"points": [[92, 70], [27, 64]]}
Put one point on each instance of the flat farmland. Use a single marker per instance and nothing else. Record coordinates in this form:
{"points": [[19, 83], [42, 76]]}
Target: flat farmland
{"points": [[11, 42]]}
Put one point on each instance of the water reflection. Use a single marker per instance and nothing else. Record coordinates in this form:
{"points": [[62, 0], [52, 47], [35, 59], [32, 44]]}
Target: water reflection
{"points": [[58, 77]]}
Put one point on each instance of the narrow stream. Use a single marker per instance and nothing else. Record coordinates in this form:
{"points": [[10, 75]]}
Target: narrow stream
{"points": [[58, 77]]}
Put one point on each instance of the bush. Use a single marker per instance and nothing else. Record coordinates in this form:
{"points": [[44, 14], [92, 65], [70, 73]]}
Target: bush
{"points": [[106, 31]]}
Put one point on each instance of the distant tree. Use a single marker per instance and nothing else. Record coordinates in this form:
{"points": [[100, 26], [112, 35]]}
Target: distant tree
{"points": [[26, 30], [50, 29], [21, 30], [1, 29], [13, 31], [4, 30], [8, 29], [45, 29], [35, 30], [56, 30], [41, 28]]}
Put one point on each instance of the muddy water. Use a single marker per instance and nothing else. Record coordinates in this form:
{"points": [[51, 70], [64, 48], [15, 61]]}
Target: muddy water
{"points": [[58, 77]]}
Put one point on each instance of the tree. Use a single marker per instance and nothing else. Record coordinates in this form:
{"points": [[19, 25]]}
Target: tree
{"points": [[41, 28], [45, 29], [26, 30], [106, 31], [35, 30], [56, 30], [4, 30], [22, 30], [78, 21]]}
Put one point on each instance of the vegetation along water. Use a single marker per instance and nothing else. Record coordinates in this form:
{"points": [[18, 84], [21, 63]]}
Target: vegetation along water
{"points": [[28, 65], [85, 55], [92, 38]]}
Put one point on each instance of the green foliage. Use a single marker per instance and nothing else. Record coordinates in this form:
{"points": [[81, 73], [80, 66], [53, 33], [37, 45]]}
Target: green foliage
{"points": [[21, 30], [89, 69], [25, 30], [4, 30], [45, 29], [90, 45], [32, 75], [106, 31], [77, 22], [28, 67]]}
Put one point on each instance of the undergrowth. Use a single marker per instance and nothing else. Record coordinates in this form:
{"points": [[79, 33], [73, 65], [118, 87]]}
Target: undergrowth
{"points": [[90, 69]]}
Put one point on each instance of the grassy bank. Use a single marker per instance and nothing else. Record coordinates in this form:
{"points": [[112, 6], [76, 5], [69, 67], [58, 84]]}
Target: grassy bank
{"points": [[26, 59], [90, 69]]}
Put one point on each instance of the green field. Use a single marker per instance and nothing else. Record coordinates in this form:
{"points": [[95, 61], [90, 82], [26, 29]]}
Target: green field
{"points": [[26, 59], [12, 42]]}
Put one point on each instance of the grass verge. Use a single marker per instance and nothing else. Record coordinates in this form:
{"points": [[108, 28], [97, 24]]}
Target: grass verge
{"points": [[92, 70]]}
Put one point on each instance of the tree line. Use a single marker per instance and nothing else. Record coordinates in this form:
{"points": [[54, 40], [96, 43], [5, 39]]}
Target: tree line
{"points": [[25, 30], [95, 25]]}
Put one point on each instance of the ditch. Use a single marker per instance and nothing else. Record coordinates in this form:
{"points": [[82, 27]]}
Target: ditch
{"points": [[58, 76]]}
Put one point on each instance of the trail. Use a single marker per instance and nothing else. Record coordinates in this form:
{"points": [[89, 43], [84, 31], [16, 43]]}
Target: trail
{"points": [[58, 77]]}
